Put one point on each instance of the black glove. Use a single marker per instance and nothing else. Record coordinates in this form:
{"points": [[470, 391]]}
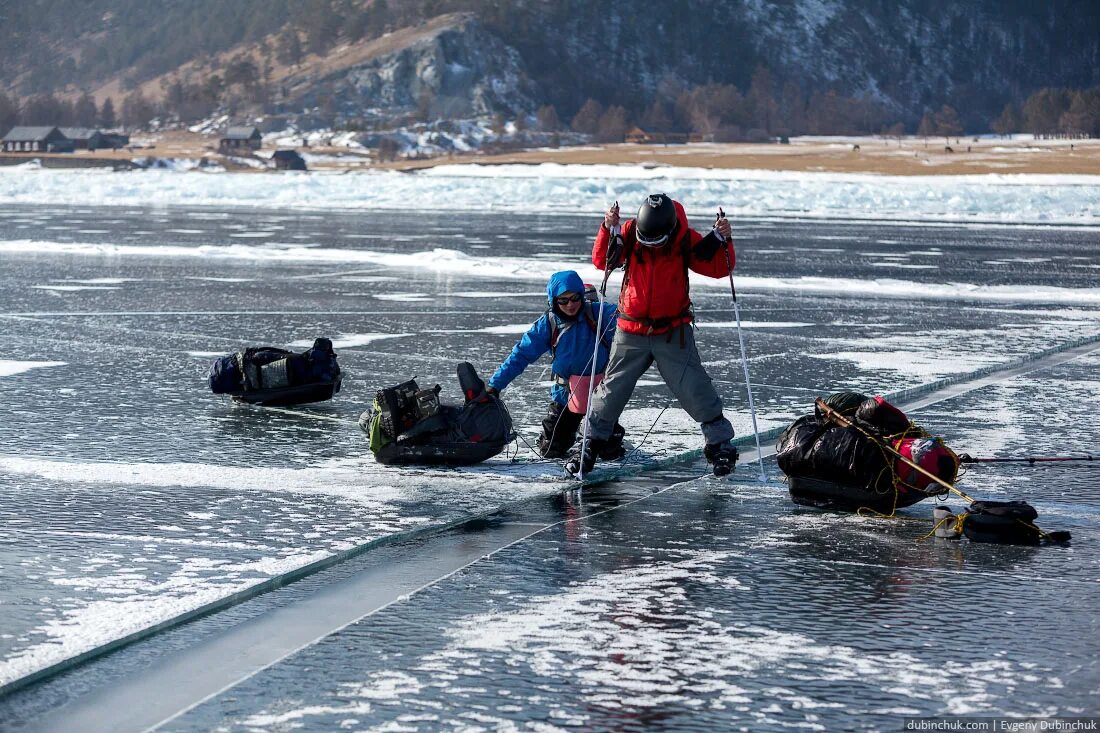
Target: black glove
{"points": [[708, 247], [615, 251]]}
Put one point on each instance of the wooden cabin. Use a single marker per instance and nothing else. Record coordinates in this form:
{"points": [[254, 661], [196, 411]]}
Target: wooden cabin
{"points": [[84, 138], [36, 140], [288, 160], [241, 140]]}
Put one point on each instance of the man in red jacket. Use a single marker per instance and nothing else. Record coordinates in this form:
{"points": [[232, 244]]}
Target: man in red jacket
{"points": [[655, 322]]}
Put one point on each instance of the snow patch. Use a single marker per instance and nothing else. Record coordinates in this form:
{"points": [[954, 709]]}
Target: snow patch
{"points": [[9, 367]]}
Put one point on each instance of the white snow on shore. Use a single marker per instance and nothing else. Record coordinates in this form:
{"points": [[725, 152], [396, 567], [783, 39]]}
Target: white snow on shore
{"points": [[554, 188]]}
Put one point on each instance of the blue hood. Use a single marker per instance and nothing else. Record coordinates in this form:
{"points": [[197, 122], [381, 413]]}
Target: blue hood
{"points": [[563, 282]]}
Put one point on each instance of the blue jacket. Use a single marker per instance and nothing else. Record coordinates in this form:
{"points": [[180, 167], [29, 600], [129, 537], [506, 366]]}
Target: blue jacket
{"points": [[576, 339]]}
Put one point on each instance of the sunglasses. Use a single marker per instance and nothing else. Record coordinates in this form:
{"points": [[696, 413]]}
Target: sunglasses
{"points": [[567, 299]]}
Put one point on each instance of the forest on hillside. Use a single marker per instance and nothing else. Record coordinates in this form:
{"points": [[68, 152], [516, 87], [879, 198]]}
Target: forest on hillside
{"points": [[698, 71]]}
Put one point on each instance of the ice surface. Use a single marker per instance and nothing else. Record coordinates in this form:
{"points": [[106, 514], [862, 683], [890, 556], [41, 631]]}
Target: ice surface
{"points": [[709, 606], [454, 262], [554, 188], [129, 493]]}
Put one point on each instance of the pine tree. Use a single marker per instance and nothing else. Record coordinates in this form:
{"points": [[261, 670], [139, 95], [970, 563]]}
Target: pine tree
{"points": [[792, 110], [84, 111], [289, 48], [136, 110], [1044, 109], [9, 112], [107, 114], [761, 100]]}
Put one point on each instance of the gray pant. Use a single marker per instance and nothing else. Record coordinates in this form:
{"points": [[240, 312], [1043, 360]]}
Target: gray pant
{"points": [[632, 355]]}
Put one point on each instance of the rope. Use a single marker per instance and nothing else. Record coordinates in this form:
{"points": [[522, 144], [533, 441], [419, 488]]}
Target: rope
{"points": [[957, 529], [836, 417]]}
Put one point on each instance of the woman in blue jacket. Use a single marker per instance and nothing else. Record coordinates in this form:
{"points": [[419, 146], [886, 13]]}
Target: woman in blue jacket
{"points": [[568, 331]]}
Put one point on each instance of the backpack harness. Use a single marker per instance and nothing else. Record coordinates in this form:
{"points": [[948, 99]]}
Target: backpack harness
{"points": [[659, 323], [556, 331]]}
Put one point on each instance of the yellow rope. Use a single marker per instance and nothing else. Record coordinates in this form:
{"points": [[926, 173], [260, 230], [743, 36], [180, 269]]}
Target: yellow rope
{"points": [[886, 450], [836, 417], [957, 529]]}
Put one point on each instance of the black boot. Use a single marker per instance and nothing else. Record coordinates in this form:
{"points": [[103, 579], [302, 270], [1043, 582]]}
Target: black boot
{"points": [[582, 459], [559, 431], [722, 457], [613, 447]]}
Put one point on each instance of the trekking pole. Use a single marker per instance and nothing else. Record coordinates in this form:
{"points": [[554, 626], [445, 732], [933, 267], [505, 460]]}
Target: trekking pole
{"points": [[601, 294], [967, 458], [744, 360]]}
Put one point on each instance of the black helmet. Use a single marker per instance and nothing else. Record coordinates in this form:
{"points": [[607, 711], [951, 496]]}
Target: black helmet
{"points": [[656, 220]]}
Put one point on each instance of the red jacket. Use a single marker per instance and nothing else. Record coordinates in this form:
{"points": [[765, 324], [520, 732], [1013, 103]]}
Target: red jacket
{"points": [[654, 297]]}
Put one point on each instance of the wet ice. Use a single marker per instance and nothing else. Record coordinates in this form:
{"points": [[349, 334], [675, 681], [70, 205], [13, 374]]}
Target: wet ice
{"points": [[131, 493]]}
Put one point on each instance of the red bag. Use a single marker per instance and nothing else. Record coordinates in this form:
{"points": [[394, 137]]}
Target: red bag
{"points": [[930, 454]]}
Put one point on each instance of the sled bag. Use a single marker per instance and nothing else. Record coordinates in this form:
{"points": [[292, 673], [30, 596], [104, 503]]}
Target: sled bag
{"points": [[882, 416], [846, 403], [397, 408], [1002, 522], [225, 377], [321, 361]]}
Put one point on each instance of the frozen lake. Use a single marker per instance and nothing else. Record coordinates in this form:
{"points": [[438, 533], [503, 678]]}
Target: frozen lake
{"points": [[130, 494]]}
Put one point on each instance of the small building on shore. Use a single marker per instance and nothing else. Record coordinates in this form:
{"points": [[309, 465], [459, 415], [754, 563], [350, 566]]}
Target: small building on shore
{"points": [[114, 140], [288, 160], [84, 138], [36, 140], [240, 140]]}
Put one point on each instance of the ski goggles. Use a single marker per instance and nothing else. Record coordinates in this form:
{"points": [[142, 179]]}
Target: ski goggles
{"points": [[567, 299], [652, 242]]}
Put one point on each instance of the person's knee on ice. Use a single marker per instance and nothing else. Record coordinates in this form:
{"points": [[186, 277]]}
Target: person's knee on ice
{"points": [[568, 330], [559, 431]]}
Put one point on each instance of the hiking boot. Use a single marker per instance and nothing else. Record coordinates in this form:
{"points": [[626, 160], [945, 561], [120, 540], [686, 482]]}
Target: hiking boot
{"points": [[582, 459], [722, 457], [559, 431], [612, 449], [550, 449]]}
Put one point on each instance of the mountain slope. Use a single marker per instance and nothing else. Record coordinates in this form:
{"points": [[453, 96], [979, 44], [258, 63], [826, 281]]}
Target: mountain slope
{"points": [[908, 56]]}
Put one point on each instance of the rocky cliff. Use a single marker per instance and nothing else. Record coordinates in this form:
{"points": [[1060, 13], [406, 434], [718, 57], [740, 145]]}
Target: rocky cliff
{"points": [[449, 67]]}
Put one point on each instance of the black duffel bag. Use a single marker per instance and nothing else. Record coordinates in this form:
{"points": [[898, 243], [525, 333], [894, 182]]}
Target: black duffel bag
{"points": [[274, 376], [1002, 522], [408, 425]]}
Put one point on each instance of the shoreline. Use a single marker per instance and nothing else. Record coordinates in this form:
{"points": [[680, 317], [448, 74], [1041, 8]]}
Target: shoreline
{"points": [[911, 156]]}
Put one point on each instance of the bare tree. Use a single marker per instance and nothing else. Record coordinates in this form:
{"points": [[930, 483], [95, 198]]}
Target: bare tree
{"points": [[612, 126], [587, 120], [547, 117], [947, 122], [1009, 121]]}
